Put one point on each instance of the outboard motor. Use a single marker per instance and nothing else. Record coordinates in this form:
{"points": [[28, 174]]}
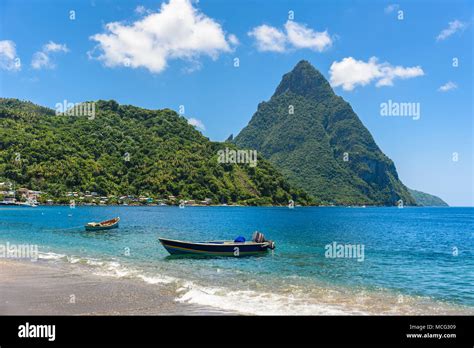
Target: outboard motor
{"points": [[271, 244], [259, 237]]}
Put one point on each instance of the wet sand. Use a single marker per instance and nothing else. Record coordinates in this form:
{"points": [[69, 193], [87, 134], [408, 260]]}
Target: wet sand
{"points": [[31, 288], [44, 288]]}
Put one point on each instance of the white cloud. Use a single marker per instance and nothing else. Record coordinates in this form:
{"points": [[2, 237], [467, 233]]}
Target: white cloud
{"points": [[268, 38], [302, 37], [448, 86], [42, 59], [54, 47], [140, 9], [196, 123], [233, 39], [8, 58], [452, 28], [192, 66], [294, 35], [177, 31], [390, 8], [350, 72]]}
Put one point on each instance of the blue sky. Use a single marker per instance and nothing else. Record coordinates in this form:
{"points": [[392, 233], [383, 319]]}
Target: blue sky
{"points": [[47, 57]]}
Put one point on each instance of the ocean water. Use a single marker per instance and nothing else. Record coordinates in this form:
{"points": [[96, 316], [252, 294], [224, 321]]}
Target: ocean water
{"points": [[415, 261]]}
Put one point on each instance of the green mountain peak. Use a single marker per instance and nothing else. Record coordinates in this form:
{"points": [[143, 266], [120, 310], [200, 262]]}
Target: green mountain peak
{"points": [[318, 142], [306, 81]]}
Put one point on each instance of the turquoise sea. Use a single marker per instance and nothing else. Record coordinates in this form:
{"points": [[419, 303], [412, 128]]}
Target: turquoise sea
{"points": [[416, 260]]}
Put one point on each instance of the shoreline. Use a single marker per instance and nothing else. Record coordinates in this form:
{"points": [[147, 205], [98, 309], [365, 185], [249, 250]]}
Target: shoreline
{"points": [[229, 205], [37, 288], [46, 288]]}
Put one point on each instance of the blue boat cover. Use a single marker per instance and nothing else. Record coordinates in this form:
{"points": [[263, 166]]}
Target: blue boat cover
{"points": [[239, 239]]}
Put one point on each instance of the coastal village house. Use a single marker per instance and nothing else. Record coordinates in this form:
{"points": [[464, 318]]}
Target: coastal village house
{"points": [[29, 195], [24, 194]]}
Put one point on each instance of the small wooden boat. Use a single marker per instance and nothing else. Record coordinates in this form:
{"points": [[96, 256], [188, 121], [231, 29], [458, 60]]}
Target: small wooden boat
{"points": [[218, 247], [104, 225]]}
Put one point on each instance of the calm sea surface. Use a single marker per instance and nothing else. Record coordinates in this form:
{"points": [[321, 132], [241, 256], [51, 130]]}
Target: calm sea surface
{"points": [[416, 260]]}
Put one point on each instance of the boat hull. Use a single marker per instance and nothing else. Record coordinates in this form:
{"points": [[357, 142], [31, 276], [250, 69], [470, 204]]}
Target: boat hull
{"points": [[175, 247], [104, 225], [101, 228]]}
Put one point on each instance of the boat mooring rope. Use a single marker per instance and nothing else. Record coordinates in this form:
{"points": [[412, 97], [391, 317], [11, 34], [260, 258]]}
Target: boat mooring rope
{"points": [[63, 229]]}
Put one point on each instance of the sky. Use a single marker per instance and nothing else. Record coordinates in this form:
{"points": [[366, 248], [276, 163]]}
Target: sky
{"points": [[215, 60]]}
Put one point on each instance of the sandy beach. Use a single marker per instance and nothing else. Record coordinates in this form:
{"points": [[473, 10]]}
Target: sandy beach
{"points": [[31, 288]]}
